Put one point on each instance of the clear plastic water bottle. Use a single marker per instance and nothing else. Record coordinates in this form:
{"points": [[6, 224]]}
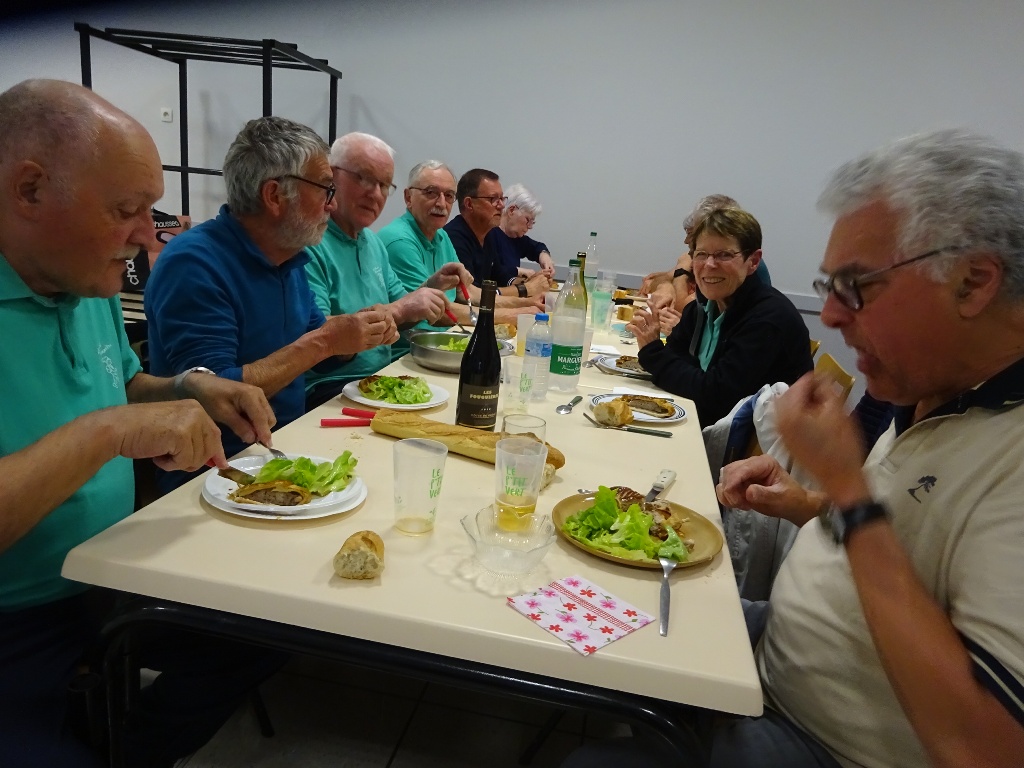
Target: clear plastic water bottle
{"points": [[537, 362], [568, 329]]}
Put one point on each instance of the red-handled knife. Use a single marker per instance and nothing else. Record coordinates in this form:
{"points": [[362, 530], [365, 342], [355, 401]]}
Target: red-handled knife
{"points": [[359, 413], [345, 422]]}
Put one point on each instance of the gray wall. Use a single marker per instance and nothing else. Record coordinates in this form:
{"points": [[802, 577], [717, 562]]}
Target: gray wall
{"points": [[618, 115]]}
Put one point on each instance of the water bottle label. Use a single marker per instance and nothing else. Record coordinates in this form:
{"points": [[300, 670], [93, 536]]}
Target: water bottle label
{"points": [[538, 348], [566, 361]]}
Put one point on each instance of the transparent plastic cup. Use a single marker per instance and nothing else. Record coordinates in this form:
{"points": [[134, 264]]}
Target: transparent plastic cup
{"points": [[419, 471], [519, 470], [524, 425]]}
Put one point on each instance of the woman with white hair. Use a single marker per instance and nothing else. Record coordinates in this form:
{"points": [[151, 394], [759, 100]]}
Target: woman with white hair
{"points": [[518, 217]]}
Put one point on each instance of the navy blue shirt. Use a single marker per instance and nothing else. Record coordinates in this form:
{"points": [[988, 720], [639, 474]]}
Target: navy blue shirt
{"points": [[483, 261], [214, 300]]}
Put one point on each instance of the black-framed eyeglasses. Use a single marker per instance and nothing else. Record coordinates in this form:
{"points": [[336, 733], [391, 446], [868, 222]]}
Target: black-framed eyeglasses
{"points": [[492, 199], [432, 193], [368, 183], [719, 256], [846, 286], [330, 189]]}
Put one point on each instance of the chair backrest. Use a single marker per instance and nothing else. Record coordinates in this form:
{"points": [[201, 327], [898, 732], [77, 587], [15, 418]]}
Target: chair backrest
{"points": [[814, 347], [827, 365]]}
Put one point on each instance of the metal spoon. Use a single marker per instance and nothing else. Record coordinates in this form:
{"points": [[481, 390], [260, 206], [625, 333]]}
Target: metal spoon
{"points": [[567, 408], [665, 603]]}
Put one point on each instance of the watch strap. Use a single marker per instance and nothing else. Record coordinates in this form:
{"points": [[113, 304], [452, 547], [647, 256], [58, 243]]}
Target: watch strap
{"points": [[179, 380], [521, 288], [680, 272], [852, 518]]}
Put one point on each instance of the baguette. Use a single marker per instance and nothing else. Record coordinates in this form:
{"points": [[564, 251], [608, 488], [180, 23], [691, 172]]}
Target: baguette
{"points": [[360, 557], [466, 441]]}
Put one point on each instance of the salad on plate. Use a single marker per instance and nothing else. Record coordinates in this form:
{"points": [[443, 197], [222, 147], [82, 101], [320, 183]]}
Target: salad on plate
{"points": [[618, 524]]}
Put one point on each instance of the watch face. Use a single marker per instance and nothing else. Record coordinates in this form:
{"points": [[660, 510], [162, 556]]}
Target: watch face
{"points": [[838, 524]]}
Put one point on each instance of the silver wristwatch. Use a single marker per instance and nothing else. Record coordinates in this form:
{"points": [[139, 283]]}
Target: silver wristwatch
{"points": [[179, 380]]}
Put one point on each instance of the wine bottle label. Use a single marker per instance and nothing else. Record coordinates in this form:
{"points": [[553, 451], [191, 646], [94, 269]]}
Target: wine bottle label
{"points": [[566, 361], [478, 406]]}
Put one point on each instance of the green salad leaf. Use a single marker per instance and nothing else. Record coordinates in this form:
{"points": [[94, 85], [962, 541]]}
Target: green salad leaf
{"points": [[455, 344], [318, 479], [626, 534], [392, 389]]}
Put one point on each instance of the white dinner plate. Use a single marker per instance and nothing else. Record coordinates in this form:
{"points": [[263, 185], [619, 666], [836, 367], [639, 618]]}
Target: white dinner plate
{"points": [[217, 488], [438, 396], [607, 364], [679, 415]]}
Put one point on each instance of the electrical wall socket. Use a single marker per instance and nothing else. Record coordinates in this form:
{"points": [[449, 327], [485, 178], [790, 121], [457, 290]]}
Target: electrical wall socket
{"points": [[167, 114]]}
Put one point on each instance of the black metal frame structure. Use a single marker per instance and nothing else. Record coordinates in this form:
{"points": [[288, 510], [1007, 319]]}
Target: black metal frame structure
{"points": [[180, 49], [670, 721]]}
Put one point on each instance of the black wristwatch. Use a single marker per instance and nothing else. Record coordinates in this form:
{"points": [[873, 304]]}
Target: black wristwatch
{"points": [[680, 272], [523, 293], [843, 522]]}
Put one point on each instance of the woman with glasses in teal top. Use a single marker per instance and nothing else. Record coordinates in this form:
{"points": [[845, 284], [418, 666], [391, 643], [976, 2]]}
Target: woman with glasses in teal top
{"points": [[740, 333]]}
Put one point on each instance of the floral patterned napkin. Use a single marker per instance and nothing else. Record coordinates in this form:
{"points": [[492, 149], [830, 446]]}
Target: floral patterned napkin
{"points": [[580, 613]]}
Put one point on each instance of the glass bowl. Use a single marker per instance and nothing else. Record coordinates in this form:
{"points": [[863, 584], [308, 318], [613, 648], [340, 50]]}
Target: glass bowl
{"points": [[507, 552]]}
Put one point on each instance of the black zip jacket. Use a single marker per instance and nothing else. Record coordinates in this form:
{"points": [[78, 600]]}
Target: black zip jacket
{"points": [[763, 340]]}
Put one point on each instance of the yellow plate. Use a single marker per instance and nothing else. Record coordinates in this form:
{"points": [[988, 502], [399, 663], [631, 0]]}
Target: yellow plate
{"points": [[707, 539]]}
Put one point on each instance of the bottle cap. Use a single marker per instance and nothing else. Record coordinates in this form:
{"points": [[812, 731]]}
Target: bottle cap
{"points": [[593, 234], [541, 317]]}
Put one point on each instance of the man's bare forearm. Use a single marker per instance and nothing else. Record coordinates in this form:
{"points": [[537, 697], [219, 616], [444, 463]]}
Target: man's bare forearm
{"points": [[278, 369]]}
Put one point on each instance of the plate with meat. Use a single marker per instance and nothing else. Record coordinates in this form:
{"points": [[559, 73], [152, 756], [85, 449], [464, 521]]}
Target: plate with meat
{"points": [[236, 491], [622, 365], [642, 530], [645, 408]]}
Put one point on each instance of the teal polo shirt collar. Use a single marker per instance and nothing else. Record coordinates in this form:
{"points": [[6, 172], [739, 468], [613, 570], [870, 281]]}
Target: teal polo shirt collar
{"points": [[250, 250], [355, 243], [13, 288], [427, 245]]}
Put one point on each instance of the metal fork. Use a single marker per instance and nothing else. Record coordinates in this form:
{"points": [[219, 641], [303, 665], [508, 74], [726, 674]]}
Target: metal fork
{"points": [[667, 566], [274, 452]]}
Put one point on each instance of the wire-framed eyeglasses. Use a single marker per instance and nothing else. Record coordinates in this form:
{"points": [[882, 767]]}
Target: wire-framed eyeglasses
{"points": [[432, 193], [330, 189], [847, 286]]}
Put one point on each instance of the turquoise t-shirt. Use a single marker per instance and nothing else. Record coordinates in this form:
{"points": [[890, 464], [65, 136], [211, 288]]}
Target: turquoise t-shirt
{"points": [[71, 357], [709, 336], [414, 258], [346, 275]]}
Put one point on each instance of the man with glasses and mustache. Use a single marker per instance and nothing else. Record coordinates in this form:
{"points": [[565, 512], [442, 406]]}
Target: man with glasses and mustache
{"points": [[231, 294], [418, 246], [481, 202], [895, 634], [349, 271]]}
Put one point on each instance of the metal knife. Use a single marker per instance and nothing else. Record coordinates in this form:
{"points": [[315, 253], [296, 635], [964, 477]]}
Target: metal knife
{"points": [[664, 479], [641, 430]]}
